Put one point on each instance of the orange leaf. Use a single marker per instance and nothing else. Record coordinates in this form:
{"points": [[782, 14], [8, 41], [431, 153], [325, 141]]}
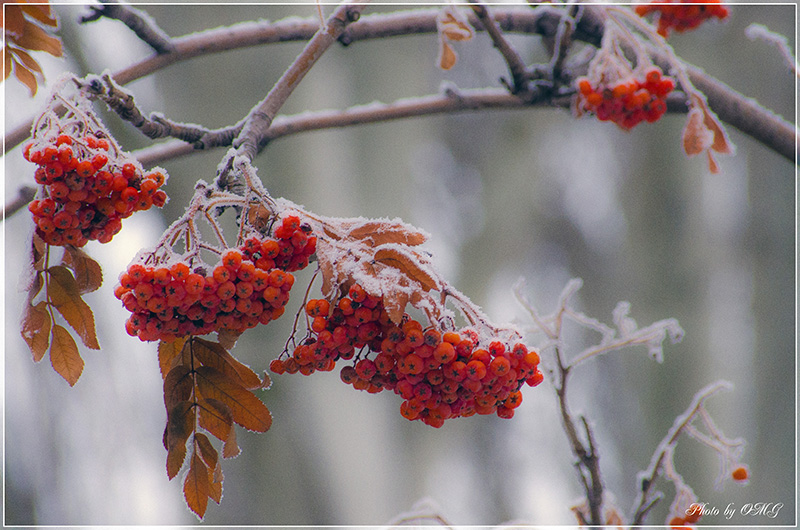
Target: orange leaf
{"points": [[36, 329], [696, 136], [214, 355], [36, 39], [227, 338], [8, 60], [408, 265], [64, 355], [14, 20], [41, 13], [447, 55], [215, 485], [26, 77], [259, 217], [215, 417], [231, 449], [169, 354], [248, 411], [87, 272], [721, 143], [64, 293], [207, 451], [180, 424], [196, 486], [395, 305], [28, 61], [376, 233]]}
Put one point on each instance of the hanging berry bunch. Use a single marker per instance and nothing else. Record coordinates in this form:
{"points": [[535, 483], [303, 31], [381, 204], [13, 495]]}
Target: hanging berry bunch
{"points": [[636, 97], [682, 16], [87, 184], [174, 295]]}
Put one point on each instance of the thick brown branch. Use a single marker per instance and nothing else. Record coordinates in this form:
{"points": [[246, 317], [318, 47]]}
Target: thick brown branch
{"points": [[24, 195]]}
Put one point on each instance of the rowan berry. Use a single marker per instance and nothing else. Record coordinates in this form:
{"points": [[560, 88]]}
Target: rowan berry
{"points": [[740, 474]]}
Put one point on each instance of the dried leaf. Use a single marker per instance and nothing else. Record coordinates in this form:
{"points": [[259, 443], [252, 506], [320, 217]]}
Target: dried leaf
{"points": [[227, 338], [696, 136], [8, 61], [259, 217], [26, 77], [180, 425], [230, 448], [712, 164], [376, 233], [207, 451], [36, 329], [214, 355], [196, 486], [64, 293], [328, 278], [169, 355], [87, 272], [215, 485], [36, 39], [447, 55], [41, 13], [395, 305], [454, 25], [14, 20], [248, 411], [721, 144], [38, 252], [215, 417], [406, 263], [177, 386], [29, 62], [64, 355]]}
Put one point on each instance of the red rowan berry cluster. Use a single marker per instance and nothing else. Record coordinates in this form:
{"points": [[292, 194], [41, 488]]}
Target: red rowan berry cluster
{"points": [[628, 101], [250, 285], [87, 189], [682, 16], [438, 375]]}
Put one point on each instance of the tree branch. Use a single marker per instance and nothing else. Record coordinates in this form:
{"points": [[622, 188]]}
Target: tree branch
{"points": [[249, 140], [139, 22], [757, 122]]}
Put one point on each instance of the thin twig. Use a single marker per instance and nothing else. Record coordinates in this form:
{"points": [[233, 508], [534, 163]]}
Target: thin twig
{"points": [[515, 64], [249, 140], [139, 22]]}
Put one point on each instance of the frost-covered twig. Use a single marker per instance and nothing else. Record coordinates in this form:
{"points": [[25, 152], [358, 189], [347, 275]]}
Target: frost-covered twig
{"points": [[249, 140], [515, 64], [140, 23], [661, 462], [759, 31]]}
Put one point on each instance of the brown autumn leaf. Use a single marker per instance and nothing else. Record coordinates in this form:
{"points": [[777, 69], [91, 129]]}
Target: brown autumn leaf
{"points": [[696, 136], [38, 252], [87, 272], [227, 338], [214, 355], [215, 484], [447, 55], [258, 217], [376, 233], [36, 39], [180, 425], [177, 386], [248, 411], [42, 13], [215, 417], [36, 329], [407, 263], [64, 293], [395, 305], [64, 355], [196, 487], [207, 451], [25, 76], [169, 355], [721, 143], [14, 20], [230, 449]]}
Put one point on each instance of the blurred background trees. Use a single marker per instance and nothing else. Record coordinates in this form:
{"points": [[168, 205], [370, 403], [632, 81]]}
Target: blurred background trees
{"points": [[533, 194]]}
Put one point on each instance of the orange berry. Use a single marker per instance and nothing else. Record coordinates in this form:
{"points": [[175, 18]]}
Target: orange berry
{"points": [[740, 474]]}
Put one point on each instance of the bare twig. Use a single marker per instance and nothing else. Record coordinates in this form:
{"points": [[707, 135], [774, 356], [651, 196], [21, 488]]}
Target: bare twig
{"points": [[646, 497], [121, 102], [249, 140], [757, 122], [139, 22], [515, 64]]}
